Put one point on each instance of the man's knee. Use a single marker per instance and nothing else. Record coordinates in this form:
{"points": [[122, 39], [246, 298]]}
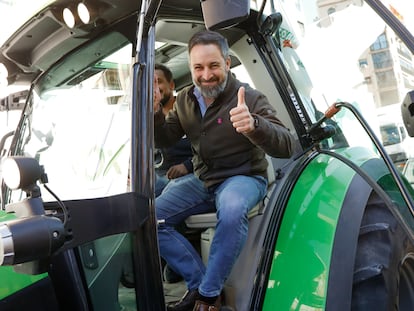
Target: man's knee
{"points": [[232, 214]]}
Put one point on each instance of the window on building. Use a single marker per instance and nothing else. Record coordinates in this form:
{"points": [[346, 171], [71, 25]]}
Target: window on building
{"points": [[389, 97], [363, 63], [380, 43], [408, 82], [403, 50], [406, 66], [386, 78], [382, 59]]}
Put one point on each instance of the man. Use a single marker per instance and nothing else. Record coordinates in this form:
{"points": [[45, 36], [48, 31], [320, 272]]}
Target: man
{"points": [[174, 161], [230, 126]]}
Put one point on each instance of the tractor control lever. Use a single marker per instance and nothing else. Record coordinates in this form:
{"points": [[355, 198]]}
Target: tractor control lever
{"points": [[319, 133], [332, 110]]}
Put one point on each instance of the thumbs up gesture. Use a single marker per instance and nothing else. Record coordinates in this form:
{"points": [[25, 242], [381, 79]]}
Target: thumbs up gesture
{"points": [[240, 115]]}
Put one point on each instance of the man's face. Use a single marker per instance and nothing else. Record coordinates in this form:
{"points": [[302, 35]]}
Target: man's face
{"points": [[166, 88], [209, 69]]}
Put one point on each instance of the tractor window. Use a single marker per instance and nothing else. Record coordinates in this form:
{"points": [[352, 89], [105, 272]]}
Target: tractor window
{"points": [[80, 131], [241, 73]]}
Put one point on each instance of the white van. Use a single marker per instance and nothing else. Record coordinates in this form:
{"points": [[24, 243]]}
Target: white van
{"points": [[398, 144]]}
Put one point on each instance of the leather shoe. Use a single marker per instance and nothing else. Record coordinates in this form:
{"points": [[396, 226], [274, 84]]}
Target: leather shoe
{"points": [[203, 306], [186, 303]]}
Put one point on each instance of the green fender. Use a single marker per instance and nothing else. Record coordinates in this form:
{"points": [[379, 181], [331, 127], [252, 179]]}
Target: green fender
{"points": [[11, 281], [299, 274]]}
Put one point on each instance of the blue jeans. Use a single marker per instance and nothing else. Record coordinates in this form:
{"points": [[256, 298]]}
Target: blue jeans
{"points": [[160, 182], [232, 200]]}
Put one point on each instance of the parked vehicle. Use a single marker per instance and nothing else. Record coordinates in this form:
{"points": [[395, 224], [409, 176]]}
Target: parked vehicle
{"points": [[398, 144], [336, 229]]}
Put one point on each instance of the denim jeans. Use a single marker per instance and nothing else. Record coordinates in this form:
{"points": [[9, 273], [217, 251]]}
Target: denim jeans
{"points": [[160, 182], [232, 200]]}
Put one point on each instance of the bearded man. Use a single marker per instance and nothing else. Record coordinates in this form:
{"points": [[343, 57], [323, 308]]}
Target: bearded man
{"points": [[230, 126]]}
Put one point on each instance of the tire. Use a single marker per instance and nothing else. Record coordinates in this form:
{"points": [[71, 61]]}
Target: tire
{"points": [[384, 265]]}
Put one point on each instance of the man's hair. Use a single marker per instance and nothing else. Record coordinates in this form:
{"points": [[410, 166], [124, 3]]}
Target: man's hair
{"points": [[205, 37], [167, 72]]}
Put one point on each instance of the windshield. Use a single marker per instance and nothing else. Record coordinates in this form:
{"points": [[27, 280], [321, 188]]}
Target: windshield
{"points": [[332, 56], [80, 131]]}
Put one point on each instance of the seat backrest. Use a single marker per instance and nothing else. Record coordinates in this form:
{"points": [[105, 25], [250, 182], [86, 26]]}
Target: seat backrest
{"points": [[271, 175]]}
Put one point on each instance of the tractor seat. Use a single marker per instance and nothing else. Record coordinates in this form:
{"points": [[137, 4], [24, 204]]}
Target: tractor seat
{"points": [[209, 220]]}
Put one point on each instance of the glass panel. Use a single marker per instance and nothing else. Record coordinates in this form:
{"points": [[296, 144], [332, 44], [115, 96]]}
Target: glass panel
{"points": [[332, 56], [80, 133], [89, 159], [241, 73], [332, 59]]}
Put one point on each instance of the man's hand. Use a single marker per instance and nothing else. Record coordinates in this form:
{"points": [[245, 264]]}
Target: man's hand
{"points": [[240, 116], [157, 94], [176, 171]]}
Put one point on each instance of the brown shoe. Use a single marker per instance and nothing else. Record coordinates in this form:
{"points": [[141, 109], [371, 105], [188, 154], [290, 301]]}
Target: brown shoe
{"points": [[186, 303], [203, 306]]}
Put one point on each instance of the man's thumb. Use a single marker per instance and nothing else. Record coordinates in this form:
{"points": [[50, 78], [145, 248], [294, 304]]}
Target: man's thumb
{"points": [[240, 96]]}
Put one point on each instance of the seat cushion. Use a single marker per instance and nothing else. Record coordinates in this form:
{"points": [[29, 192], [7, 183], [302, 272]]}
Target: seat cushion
{"points": [[209, 220]]}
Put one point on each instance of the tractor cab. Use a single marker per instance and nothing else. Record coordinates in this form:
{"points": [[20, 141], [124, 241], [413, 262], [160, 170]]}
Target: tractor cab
{"points": [[78, 230]]}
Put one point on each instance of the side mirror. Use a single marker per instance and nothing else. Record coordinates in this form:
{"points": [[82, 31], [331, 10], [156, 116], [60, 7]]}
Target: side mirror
{"points": [[219, 14], [407, 112]]}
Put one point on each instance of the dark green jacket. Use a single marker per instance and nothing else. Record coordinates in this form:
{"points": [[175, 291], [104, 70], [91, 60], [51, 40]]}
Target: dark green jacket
{"points": [[218, 150]]}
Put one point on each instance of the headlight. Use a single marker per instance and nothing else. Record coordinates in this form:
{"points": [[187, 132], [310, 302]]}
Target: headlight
{"points": [[21, 172], [33, 235], [30, 238], [6, 245]]}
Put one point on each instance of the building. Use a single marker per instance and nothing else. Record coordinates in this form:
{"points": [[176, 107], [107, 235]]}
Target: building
{"points": [[388, 69], [386, 65]]}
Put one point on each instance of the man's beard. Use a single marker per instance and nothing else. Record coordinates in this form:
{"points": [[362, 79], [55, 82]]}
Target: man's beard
{"points": [[211, 91], [164, 100]]}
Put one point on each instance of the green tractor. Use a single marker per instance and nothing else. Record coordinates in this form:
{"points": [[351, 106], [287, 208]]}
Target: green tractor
{"points": [[336, 228]]}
